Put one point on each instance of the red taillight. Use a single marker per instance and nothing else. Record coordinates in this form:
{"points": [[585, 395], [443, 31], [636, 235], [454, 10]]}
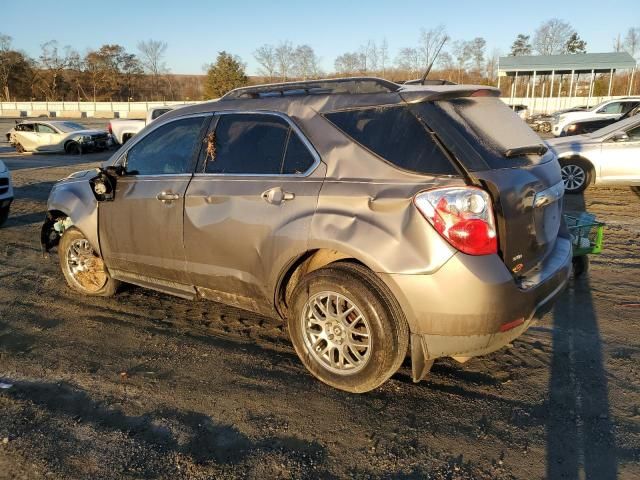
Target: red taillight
{"points": [[110, 129], [463, 216]]}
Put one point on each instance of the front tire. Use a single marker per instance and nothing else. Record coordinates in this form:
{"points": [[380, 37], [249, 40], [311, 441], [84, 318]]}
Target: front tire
{"points": [[83, 268], [20, 148], [4, 214], [347, 328], [576, 175]]}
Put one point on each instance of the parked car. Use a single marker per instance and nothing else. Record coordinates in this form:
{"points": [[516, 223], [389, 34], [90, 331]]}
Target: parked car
{"points": [[610, 155], [123, 130], [6, 193], [57, 136], [521, 110], [609, 109], [363, 212], [591, 125]]}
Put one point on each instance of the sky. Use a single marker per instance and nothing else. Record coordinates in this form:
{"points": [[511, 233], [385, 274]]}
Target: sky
{"points": [[196, 30]]}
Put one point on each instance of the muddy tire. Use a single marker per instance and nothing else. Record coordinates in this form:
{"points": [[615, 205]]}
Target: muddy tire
{"points": [[20, 148], [577, 174], [73, 148], [83, 269], [347, 328], [4, 214]]}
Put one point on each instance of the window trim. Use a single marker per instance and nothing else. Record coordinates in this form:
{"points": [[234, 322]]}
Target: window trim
{"points": [[316, 157], [158, 124]]}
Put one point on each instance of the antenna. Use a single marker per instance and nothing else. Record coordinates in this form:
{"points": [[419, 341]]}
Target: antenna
{"points": [[424, 77]]}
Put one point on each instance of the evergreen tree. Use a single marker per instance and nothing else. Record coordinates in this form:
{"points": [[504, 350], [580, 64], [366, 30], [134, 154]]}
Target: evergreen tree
{"points": [[224, 75], [521, 46], [575, 44]]}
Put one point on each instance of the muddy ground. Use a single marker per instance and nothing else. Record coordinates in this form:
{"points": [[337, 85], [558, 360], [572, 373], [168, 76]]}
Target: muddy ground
{"points": [[144, 385]]}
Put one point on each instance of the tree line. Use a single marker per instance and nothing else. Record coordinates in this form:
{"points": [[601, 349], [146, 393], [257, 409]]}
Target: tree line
{"points": [[113, 73]]}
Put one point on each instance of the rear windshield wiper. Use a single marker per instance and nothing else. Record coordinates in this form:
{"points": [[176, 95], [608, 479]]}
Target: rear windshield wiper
{"points": [[538, 149]]}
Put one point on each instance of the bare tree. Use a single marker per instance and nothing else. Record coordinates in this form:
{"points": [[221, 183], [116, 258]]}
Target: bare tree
{"points": [[476, 52], [384, 56], [266, 58], [492, 65], [551, 37], [152, 53], [305, 62], [429, 42], [462, 53], [53, 64], [284, 54], [349, 63], [632, 41], [408, 59], [618, 46]]}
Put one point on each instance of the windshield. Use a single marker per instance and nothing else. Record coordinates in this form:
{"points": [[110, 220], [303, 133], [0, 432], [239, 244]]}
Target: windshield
{"points": [[70, 126], [614, 127]]}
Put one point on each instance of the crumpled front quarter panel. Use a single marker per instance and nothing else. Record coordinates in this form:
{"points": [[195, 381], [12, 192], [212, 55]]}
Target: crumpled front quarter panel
{"points": [[76, 200]]}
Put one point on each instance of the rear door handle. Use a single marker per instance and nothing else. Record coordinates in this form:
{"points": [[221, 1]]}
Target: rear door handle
{"points": [[167, 196], [276, 195]]}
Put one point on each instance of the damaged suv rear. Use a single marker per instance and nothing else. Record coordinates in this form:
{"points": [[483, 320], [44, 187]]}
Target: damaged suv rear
{"points": [[376, 219]]}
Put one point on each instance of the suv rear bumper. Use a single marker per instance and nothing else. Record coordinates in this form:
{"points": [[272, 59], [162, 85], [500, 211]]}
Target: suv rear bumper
{"points": [[472, 305]]}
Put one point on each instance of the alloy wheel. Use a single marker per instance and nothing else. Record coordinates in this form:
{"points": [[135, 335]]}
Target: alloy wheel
{"points": [[85, 268], [573, 177], [336, 333]]}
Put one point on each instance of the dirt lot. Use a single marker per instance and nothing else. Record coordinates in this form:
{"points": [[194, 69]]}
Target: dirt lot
{"points": [[144, 385]]}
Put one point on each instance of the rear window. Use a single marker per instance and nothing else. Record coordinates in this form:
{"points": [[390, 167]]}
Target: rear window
{"points": [[395, 135], [486, 125]]}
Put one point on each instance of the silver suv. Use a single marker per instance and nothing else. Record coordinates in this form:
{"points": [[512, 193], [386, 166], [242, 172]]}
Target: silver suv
{"points": [[376, 219]]}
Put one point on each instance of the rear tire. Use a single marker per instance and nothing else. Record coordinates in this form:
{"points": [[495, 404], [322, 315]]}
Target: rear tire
{"points": [[577, 174], [347, 328], [73, 148], [580, 265], [4, 214], [84, 269], [20, 148]]}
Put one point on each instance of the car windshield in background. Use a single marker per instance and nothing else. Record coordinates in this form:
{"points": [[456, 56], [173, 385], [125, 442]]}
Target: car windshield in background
{"points": [[614, 127], [70, 126], [483, 132]]}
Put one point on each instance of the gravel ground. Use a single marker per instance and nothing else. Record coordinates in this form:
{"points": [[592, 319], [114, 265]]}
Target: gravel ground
{"points": [[144, 385]]}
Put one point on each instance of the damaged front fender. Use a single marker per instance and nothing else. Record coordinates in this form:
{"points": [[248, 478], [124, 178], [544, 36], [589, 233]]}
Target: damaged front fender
{"points": [[71, 203]]}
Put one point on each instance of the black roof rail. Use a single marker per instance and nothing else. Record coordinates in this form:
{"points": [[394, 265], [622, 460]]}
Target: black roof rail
{"points": [[418, 81], [351, 85]]}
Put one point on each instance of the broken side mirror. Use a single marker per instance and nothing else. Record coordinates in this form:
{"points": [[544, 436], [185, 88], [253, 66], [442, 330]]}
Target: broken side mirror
{"points": [[103, 185]]}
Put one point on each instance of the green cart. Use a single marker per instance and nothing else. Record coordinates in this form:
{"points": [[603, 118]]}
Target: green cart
{"points": [[586, 235]]}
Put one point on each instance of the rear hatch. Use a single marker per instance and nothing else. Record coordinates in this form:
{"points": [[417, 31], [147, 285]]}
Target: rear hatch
{"points": [[499, 152]]}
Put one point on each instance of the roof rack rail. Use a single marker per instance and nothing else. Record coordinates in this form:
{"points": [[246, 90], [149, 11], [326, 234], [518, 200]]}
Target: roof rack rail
{"points": [[351, 85]]}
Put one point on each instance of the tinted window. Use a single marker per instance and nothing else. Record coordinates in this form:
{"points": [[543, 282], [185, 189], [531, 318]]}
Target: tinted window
{"points": [[396, 135], [45, 129], [249, 144], [298, 158], [157, 113], [166, 150], [634, 134]]}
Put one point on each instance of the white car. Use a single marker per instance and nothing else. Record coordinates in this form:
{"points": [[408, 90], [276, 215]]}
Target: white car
{"points": [[57, 136], [608, 109], [123, 130], [6, 192], [610, 155]]}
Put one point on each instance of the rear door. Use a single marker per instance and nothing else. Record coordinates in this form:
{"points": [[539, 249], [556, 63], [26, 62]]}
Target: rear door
{"points": [[248, 211], [620, 159], [47, 137]]}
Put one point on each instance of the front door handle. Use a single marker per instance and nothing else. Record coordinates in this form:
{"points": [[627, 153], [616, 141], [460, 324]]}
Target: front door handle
{"points": [[276, 195], [166, 197]]}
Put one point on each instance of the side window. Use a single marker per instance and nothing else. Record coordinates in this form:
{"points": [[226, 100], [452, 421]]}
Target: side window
{"points": [[168, 149], [396, 135], [626, 106], [159, 112], [634, 134], [297, 158], [615, 107], [248, 144], [44, 128]]}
